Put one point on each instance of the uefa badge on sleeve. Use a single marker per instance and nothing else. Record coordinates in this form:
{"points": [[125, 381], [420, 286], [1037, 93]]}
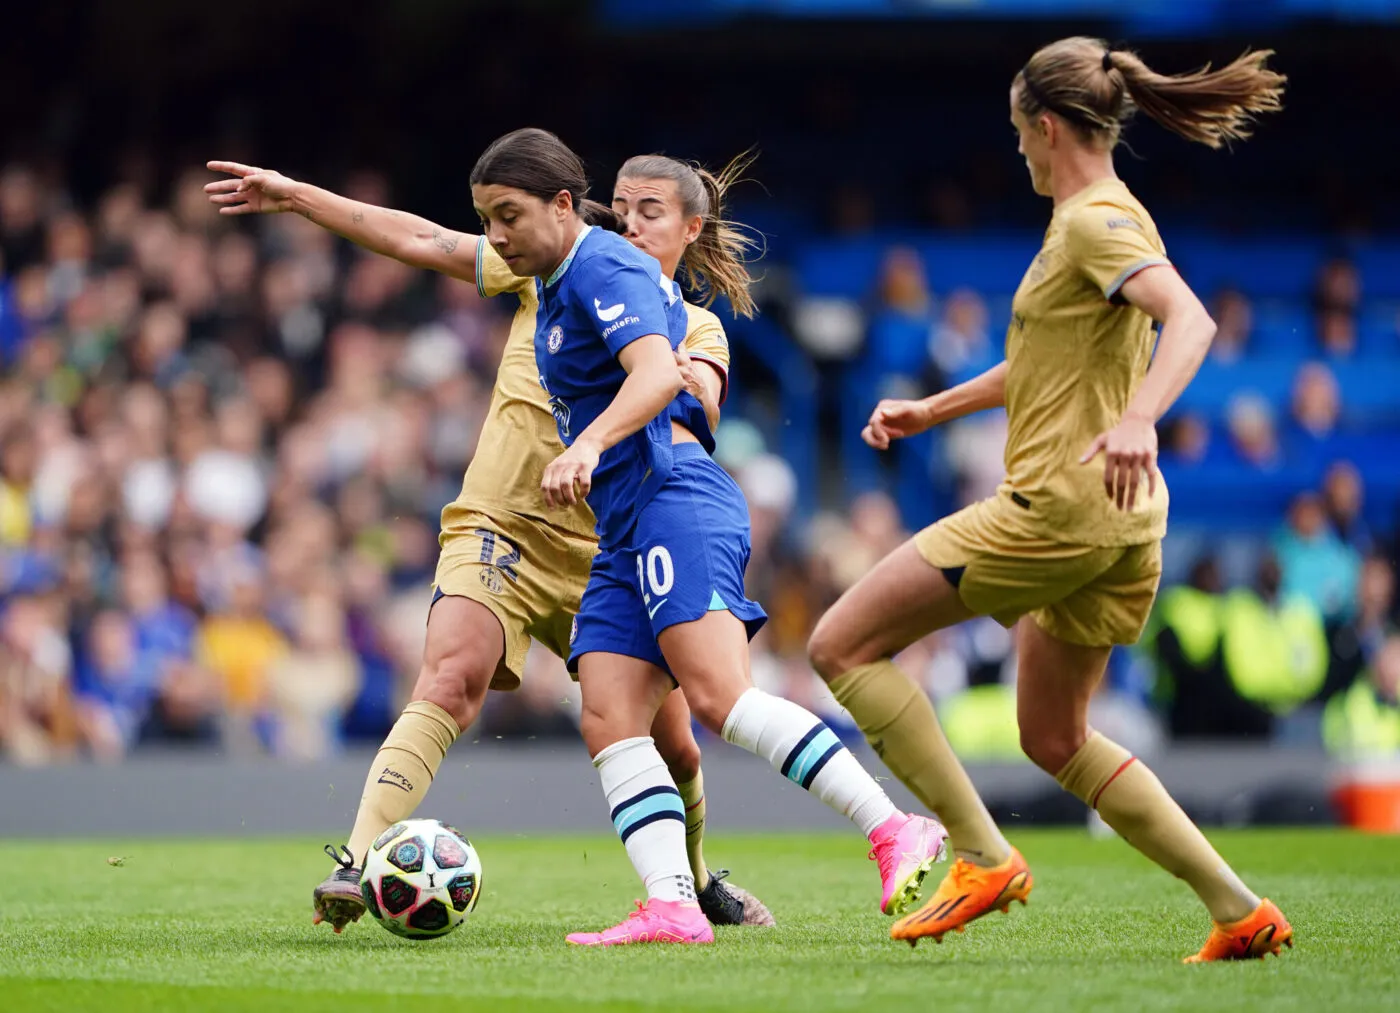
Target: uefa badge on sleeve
{"points": [[555, 339]]}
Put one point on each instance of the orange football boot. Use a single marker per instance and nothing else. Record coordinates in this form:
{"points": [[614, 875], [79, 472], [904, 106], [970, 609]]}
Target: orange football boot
{"points": [[966, 893], [1263, 931]]}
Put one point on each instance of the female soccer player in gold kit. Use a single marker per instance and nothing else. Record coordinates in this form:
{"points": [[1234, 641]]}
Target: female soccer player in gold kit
{"points": [[1069, 549], [509, 570]]}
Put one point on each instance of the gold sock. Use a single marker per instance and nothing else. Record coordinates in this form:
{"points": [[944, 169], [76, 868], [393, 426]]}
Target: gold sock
{"points": [[1133, 802], [898, 721], [402, 771], [693, 798]]}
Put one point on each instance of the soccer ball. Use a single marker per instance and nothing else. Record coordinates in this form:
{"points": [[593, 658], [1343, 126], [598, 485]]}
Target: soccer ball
{"points": [[421, 879]]}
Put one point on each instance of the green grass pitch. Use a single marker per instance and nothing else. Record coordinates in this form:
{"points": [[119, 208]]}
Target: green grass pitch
{"points": [[223, 925]]}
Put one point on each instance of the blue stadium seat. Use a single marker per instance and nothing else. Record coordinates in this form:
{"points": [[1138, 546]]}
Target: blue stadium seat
{"points": [[1282, 327], [1379, 264], [1211, 392], [1283, 267]]}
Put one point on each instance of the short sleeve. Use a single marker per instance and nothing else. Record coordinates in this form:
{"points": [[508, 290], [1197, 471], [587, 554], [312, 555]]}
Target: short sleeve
{"points": [[622, 301], [1109, 244], [493, 277], [705, 339]]}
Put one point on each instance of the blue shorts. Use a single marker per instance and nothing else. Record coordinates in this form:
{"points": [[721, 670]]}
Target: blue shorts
{"points": [[685, 557]]}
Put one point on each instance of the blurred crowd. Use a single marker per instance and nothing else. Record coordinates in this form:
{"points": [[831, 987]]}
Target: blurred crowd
{"points": [[224, 446]]}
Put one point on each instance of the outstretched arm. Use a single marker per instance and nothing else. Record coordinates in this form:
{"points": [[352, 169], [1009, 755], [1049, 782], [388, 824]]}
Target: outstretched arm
{"points": [[405, 237], [894, 419]]}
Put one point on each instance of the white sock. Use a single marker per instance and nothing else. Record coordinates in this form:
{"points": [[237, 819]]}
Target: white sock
{"points": [[649, 817], [808, 753]]}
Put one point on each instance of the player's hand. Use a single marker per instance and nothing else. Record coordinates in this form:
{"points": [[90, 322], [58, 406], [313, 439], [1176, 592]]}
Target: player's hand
{"points": [[690, 379], [1129, 449], [252, 190], [569, 477], [892, 420]]}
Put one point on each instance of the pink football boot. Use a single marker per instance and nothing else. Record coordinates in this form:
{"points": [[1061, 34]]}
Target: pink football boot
{"points": [[655, 921], [907, 848]]}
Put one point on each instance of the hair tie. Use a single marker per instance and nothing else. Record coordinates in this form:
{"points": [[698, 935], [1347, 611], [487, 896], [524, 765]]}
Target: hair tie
{"points": [[1107, 60]]}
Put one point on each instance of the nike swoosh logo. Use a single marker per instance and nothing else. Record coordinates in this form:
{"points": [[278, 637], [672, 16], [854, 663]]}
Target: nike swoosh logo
{"points": [[609, 314], [651, 612]]}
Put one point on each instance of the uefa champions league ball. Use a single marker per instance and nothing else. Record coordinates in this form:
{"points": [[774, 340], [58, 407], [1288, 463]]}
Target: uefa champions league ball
{"points": [[421, 879]]}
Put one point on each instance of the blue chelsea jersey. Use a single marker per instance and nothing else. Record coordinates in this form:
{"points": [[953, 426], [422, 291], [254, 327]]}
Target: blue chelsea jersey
{"points": [[605, 295]]}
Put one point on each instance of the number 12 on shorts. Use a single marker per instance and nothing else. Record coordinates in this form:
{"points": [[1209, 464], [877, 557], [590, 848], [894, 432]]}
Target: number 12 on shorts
{"points": [[489, 542], [656, 575]]}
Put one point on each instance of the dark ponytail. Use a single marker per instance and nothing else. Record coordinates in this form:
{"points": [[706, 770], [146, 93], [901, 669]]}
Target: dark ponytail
{"points": [[537, 162], [602, 216]]}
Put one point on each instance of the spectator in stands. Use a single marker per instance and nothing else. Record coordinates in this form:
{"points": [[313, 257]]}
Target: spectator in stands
{"points": [[18, 463], [1184, 639], [238, 644], [1253, 435], [959, 345], [1316, 408], [1336, 302], [1185, 440], [38, 718], [1316, 564], [117, 686], [1273, 644], [310, 686], [21, 221], [1234, 323], [1364, 721], [898, 342], [1354, 644], [1343, 493]]}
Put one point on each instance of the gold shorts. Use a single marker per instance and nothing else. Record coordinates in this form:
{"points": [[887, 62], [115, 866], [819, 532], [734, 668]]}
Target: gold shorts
{"points": [[530, 575], [1082, 594]]}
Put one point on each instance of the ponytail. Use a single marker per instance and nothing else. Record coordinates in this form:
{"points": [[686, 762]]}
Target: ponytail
{"points": [[716, 263], [1210, 107], [1097, 89], [601, 215]]}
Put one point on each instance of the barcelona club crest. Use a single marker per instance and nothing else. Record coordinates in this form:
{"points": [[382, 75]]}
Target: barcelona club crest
{"points": [[491, 579], [556, 338]]}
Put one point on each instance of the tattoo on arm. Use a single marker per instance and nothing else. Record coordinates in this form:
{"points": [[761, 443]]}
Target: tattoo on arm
{"points": [[446, 241], [310, 217], [357, 217]]}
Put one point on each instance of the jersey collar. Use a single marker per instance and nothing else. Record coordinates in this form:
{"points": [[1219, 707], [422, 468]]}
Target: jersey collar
{"points": [[559, 271]]}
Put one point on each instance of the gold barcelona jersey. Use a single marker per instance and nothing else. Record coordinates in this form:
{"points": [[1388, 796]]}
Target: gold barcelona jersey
{"points": [[1076, 353]]}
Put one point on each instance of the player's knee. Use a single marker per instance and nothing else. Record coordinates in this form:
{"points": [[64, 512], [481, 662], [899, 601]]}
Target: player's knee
{"points": [[1051, 748], [827, 654], [457, 683], [711, 706], [601, 725]]}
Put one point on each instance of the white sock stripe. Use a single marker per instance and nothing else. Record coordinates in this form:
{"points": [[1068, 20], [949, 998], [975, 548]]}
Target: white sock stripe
{"points": [[648, 815], [801, 747]]}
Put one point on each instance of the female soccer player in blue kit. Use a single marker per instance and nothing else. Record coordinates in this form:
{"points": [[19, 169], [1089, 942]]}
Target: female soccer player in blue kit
{"points": [[665, 599]]}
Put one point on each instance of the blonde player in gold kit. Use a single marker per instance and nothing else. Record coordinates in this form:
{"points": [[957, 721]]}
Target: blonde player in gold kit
{"points": [[1071, 544], [508, 571]]}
